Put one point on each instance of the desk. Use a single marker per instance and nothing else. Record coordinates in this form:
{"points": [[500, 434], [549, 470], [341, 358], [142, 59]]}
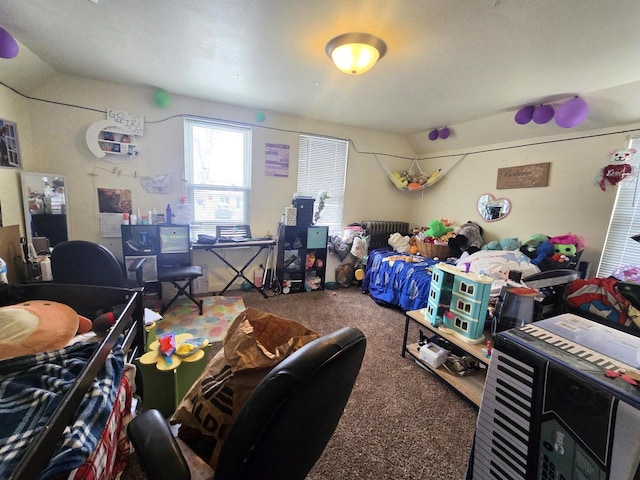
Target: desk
{"points": [[215, 248]]}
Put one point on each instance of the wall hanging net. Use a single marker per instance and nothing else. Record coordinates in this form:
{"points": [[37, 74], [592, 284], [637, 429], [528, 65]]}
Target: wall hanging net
{"points": [[414, 178]]}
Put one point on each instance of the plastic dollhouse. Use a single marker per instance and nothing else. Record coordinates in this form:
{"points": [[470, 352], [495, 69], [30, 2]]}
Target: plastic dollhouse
{"points": [[458, 301]]}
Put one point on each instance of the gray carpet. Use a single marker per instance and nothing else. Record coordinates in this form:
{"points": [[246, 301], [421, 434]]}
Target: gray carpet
{"points": [[401, 422]]}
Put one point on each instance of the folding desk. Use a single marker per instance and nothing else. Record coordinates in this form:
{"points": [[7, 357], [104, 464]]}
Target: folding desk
{"points": [[216, 248]]}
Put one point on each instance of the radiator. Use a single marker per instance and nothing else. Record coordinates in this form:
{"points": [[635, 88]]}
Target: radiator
{"points": [[379, 230]]}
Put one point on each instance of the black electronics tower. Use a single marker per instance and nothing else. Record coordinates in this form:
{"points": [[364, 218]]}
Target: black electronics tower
{"points": [[304, 213]]}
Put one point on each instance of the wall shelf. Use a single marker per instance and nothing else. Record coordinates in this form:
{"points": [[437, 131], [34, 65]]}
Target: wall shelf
{"points": [[111, 141]]}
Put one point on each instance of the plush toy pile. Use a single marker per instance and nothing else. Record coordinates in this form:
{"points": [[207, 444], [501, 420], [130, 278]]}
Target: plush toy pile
{"points": [[560, 249]]}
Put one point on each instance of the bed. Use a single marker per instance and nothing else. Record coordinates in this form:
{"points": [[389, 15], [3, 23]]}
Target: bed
{"points": [[398, 279], [403, 280], [81, 392]]}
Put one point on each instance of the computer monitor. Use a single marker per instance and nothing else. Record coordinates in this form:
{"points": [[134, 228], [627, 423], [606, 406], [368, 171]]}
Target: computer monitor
{"points": [[175, 246], [174, 239]]}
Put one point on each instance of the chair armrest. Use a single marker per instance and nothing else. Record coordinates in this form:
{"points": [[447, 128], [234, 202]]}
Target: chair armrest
{"points": [[157, 448], [136, 266]]}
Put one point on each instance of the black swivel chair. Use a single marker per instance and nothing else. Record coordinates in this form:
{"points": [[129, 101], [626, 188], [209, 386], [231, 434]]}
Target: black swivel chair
{"points": [[284, 426], [86, 263], [174, 264]]}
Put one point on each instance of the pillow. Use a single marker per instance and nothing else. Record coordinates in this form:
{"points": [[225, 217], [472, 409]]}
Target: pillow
{"points": [[37, 326]]}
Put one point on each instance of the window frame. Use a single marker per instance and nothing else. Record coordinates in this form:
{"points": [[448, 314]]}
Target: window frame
{"points": [[308, 175], [207, 226], [620, 249]]}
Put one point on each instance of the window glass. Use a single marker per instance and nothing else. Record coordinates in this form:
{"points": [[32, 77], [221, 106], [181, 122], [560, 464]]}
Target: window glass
{"points": [[620, 250], [218, 165], [322, 172]]}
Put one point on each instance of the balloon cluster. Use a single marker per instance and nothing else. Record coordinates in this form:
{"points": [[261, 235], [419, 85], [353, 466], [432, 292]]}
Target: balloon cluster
{"points": [[441, 134], [8, 44], [568, 115]]}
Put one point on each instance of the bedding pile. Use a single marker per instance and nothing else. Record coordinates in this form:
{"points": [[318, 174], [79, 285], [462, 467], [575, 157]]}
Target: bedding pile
{"points": [[32, 386]]}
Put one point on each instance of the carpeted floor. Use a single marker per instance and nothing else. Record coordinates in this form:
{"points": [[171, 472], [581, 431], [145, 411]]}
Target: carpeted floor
{"points": [[401, 422]]}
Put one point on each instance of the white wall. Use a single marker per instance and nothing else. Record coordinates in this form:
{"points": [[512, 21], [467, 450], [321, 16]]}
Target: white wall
{"points": [[53, 140], [60, 147], [571, 203]]}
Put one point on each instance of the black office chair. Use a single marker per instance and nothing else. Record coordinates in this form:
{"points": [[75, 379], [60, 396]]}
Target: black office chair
{"points": [[181, 277], [86, 263], [284, 426]]}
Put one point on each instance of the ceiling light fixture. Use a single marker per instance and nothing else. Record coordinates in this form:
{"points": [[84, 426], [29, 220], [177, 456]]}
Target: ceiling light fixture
{"points": [[355, 53]]}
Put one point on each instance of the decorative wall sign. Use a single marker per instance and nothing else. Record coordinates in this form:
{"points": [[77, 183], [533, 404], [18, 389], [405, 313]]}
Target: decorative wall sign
{"points": [[129, 121], [524, 176]]}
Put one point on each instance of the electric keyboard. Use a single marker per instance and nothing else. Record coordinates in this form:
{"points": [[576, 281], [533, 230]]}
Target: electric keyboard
{"points": [[548, 409]]}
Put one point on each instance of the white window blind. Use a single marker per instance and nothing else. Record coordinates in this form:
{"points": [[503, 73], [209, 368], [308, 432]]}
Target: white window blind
{"points": [[620, 250], [218, 165], [322, 168]]}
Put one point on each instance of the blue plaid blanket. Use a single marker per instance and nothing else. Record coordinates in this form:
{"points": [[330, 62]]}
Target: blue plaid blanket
{"points": [[32, 387]]}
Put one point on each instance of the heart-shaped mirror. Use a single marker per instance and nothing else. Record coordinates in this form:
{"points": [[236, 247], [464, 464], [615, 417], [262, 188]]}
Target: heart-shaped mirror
{"points": [[492, 209]]}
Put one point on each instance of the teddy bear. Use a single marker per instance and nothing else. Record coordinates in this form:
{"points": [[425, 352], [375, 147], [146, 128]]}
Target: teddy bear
{"points": [[618, 169], [468, 239]]}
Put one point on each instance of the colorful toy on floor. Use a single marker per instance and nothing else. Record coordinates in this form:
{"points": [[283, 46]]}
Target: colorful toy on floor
{"points": [[169, 351]]}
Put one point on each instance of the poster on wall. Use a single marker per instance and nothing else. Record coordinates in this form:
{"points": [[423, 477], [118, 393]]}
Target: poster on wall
{"points": [[9, 146], [276, 160], [112, 203]]}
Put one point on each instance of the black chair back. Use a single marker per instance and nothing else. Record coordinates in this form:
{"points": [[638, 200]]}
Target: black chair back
{"points": [[288, 420], [86, 263]]}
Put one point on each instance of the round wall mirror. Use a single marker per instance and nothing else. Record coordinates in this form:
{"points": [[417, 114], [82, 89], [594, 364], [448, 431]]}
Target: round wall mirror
{"points": [[492, 209]]}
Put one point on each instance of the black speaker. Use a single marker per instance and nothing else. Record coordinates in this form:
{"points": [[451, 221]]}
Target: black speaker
{"points": [[304, 210]]}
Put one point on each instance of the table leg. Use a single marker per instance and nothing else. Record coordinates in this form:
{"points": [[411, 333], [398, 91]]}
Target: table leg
{"points": [[240, 273]]}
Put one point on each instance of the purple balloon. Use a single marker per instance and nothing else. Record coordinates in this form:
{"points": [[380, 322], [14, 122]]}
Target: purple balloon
{"points": [[444, 133], [524, 115], [572, 113], [433, 134], [543, 114], [8, 44]]}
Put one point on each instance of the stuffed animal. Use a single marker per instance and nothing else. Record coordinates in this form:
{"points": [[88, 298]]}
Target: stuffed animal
{"points": [[400, 243], [531, 243], [437, 229], [567, 249], [504, 244], [544, 250], [468, 239], [618, 169]]}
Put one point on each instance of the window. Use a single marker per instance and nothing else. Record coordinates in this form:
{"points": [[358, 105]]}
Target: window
{"points": [[322, 170], [218, 166], [619, 248]]}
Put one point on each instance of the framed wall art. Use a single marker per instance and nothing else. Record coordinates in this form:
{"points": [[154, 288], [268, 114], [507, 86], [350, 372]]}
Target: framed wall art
{"points": [[9, 145]]}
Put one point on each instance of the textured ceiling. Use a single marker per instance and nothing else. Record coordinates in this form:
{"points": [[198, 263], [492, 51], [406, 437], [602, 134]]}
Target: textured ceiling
{"points": [[448, 61]]}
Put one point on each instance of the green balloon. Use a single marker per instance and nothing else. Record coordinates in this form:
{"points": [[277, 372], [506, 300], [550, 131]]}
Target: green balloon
{"points": [[161, 98], [260, 117]]}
